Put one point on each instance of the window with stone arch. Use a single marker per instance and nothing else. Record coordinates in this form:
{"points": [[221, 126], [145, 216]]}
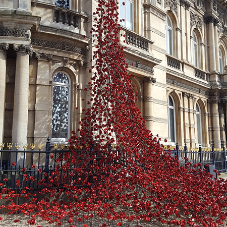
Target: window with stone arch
{"points": [[220, 57], [171, 120], [195, 50], [199, 124], [127, 14], [169, 35], [61, 107], [66, 4]]}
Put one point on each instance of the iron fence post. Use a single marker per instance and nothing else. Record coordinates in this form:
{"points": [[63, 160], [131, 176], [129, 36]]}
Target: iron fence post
{"points": [[213, 154], [224, 158], [200, 154], [177, 150], [47, 156], [185, 152]]}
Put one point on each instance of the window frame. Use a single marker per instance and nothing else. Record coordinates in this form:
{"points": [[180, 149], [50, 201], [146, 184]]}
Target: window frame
{"points": [[123, 23], [200, 125], [195, 54], [62, 140], [220, 58], [169, 38], [174, 119]]}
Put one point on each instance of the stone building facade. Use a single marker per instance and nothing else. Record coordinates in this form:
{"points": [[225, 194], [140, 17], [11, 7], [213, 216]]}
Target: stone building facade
{"points": [[176, 49]]}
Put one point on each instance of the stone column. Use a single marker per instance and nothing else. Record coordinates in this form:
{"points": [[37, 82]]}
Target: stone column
{"points": [[186, 119], [222, 125], [203, 61], [192, 121], [211, 47], [216, 125], [3, 58], [183, 31], [21, 91], [148, 102], [178, 50], [206, 143], [188, 37], [24, 7], [216, 45]]}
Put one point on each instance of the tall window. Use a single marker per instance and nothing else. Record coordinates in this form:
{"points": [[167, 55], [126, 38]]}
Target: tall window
{"points": [[63, 3], [220, 62], [195, 50], [169, 36], [199, 124], [126, 13], [61, 106], [172, 127]]}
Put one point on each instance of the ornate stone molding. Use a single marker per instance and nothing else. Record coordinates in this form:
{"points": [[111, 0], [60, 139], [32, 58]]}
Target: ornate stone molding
{"points": [[148, 99], [58, 45], [172, 4], [156, 119], [185, 86], [4, 46], [155, 31], [140, 66], [43, 56], [15, 32], [196, 20], [159, 2]]}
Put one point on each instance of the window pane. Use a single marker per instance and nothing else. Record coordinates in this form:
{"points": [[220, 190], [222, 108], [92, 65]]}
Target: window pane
{"points": [[129, 14], [122, 12], [60, 106], [172, 125], [170, 42], [62, 3], [220, 62], [199, 130], [60, 78], [170, 101]]}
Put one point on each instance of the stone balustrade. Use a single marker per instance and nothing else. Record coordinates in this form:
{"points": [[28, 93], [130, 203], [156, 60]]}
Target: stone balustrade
{"points": [[200, 74], [174, 63], [67, 17], [136, 40]]}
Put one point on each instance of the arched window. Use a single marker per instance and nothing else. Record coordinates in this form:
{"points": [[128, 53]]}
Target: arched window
{"points": [[63, 3], [199, 124], [126, 13], [172, 124], [61, 107], [195, 50], [169, 36], [220, 62]]}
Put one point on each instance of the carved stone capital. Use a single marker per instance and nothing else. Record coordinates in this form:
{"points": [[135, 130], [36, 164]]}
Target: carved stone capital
{"points": [[65, 61], [37, 55], [29, 50], [4, 46], [185, 4], [149, 79], [210, 19], [23, 48]]}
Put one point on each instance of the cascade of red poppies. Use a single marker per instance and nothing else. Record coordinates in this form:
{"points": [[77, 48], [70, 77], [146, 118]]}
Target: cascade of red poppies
{"points": [[134, 180]]}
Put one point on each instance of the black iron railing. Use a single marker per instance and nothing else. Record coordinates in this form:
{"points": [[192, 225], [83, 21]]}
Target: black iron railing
{"points": [[211, 158]]}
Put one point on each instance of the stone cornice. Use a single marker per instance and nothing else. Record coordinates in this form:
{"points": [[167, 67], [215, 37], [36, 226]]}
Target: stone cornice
{"points": [[64, 33]]}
